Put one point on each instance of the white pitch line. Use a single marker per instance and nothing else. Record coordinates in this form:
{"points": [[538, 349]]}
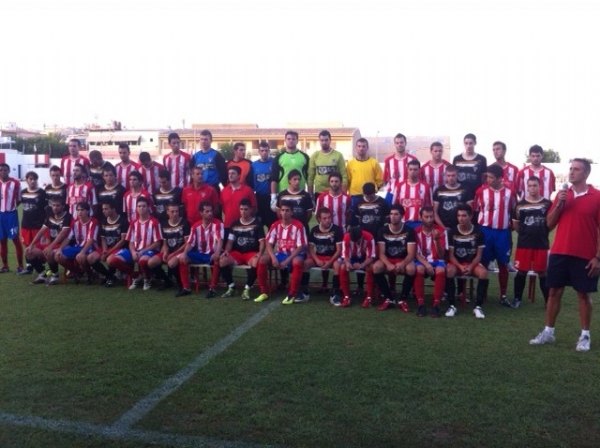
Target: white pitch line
{"points": [[129, 435], [150, 401]]}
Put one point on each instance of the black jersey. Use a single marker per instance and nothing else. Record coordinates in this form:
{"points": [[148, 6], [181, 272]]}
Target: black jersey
{"points": [[56, 225], [326, 241], [301, 203], [112, 231], [59, 193], [533, 229], [396, 242], [470, 172], [162, 199], [175, 235], [448, 199], [370, 216], [112, 195], [465, 245], [97, 175], [34, 208], [246, 237]]}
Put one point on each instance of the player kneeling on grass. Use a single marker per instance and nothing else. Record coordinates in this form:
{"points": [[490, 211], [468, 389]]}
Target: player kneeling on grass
{"points": [[175, 231], [465, 247], [431, 252], [358, 254], [324, 250], [82, 241], [396, 247], [112, 231], [47, 241], [286, 245], [245, 244], [145, 238], [202, 247]]}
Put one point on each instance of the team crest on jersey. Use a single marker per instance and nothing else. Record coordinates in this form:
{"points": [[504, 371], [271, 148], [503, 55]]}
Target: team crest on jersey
{"points": [[449, 206], [462, 177], [461, 252], [263, 177], [529, 221]]}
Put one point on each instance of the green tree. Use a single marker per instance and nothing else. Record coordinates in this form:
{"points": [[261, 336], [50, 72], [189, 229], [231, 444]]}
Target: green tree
{"points": [[227, 151], [551, 156], [53, 144]]}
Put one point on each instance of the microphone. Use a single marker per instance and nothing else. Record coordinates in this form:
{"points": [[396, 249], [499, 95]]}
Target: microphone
{"points": [[565, 186]]}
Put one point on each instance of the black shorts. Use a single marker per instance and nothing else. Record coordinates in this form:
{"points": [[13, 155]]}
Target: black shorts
{"points": [[566, 270]]}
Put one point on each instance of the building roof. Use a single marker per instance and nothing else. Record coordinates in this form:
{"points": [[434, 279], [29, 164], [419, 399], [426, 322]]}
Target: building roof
{"points": [[258, 133]]}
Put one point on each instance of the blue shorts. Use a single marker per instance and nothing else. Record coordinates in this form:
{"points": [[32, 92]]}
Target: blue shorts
{"points": [[434, 263], [125, 254], [281, 256], [9, 225], [497, 245], [412, 224], [199, 258], [70, 252]]}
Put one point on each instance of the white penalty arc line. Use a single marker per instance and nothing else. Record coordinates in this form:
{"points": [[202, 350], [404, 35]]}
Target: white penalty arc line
{"points": [[150, 401], [107, 432]]}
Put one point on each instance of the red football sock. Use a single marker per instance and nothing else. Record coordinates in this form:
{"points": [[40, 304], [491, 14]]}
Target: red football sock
{"points": [[184, 275], [439, 286], [370, 283], [295, 280], [263, 278], [214, 275], [503, 278], [4, 252], [19, 251]]}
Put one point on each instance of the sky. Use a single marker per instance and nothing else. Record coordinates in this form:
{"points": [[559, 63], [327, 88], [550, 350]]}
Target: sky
{"points": [[524, 72]]}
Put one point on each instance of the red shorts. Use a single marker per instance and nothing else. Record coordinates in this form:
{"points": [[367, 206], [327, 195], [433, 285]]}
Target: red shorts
{"points": [[242, 257], [27, 235], [531, 259], [395, 260]]}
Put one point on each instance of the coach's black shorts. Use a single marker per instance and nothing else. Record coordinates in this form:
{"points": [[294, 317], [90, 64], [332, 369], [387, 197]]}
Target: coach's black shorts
{"points": [[566, 270]]}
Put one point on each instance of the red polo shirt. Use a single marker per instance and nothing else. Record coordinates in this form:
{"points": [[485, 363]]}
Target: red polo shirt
{"points": [[191, 198], [577, 230], [231, 198]]}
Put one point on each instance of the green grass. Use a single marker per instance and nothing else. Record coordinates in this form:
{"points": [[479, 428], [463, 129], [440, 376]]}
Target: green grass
{"points": [[307, 375]]}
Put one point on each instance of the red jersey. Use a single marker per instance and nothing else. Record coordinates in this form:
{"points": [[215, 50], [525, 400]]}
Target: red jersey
{"points": [[67, 164], [287, 237], [123, 172], [205, 238], [425, 243], [509, 175], [412, 197], [178, 165], [150, 177], [191, 198], [495, 207], [143, 233], [577, 231], [10, 194], [231, 198], [395, 170], [433, 175], [81, 232], [339, 206], [130, 202], [362, 249], [77, 193], [546, 176]]}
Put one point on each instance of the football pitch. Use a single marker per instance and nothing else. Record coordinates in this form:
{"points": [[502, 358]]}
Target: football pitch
{"points": [[86, 366]]}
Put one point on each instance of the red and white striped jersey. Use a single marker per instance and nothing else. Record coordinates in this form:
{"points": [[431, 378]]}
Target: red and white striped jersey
{"points": [[425, 243], [150, 176], [178, 165], [395, 170], [143, 233], [10, 194], [495, 207], [433, 175], [77, 193], [547, 181], [130, 201], [362, 249], [412, 197], [339, 206], [82, 232], [287, 238], [205, 238], [509, 174], [67, 164], [123, 172]]}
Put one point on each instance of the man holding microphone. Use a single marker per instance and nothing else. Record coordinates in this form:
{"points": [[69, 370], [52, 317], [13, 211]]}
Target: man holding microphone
{"points": [[574, 261]]}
